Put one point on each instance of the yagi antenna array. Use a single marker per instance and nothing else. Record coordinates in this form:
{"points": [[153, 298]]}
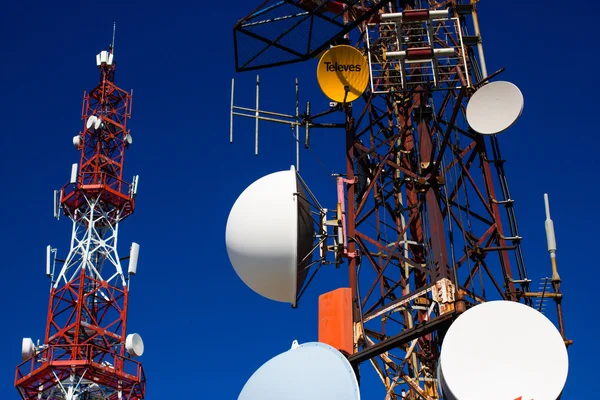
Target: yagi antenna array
{"points": [[293, 121]]}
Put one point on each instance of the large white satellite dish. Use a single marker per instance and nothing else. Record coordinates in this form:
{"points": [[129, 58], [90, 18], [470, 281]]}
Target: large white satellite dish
{"points": [[310, 371], [27, 348], [494, 107], [269, 235], [503, 350], [134, 345]]}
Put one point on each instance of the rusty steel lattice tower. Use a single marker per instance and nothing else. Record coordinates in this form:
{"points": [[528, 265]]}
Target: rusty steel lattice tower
{"points": [[430, 222], [86, 353]]}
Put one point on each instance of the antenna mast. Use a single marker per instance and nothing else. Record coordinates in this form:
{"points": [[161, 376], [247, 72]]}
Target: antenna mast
{"points": [[426, 224], [112, 46], [86, 352]]}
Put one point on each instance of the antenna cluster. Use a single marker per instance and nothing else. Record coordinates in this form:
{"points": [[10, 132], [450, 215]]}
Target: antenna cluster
{"points": [[86, 351], [423, 233]]}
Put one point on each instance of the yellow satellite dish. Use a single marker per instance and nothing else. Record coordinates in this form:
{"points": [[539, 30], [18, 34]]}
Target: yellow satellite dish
{"points": [[343, 68]]}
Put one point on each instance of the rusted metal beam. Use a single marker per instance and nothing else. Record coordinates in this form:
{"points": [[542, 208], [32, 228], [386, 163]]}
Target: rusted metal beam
{"points": [[407, 335]]}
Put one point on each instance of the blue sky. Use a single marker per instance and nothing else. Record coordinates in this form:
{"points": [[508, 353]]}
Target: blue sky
{"points": [[205, 332]]}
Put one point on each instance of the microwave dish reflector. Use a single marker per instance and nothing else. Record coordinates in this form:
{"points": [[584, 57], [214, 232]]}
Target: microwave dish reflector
{"points": [[134, 345], [314, 371], [343, 69], [269, 236], [97, 123], [503, 350], [27, 348], [91, 122], [77, 141], [494, 108]]}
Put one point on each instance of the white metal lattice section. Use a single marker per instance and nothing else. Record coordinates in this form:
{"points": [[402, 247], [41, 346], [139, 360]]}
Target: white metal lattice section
{"points": [[406, 54], [93, 247]]}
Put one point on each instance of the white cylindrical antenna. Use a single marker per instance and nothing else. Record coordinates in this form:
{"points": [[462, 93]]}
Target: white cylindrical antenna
{"points": [[134, 252], [74, 171], [550, 237], [48, 261], [551, 241], [479, 43]]}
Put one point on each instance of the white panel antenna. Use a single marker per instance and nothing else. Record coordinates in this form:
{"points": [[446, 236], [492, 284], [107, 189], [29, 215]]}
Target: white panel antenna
{"points": [[134, 252], [74, 173], [134, 185], [57, 206], [48, 261], [104, 58]]}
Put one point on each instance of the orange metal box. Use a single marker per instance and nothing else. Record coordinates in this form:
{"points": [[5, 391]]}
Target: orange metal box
{"points": [[335, 319]]}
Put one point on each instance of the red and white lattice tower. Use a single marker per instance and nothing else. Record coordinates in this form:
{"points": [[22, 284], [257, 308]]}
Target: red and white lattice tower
{"points": [[86, 353]]}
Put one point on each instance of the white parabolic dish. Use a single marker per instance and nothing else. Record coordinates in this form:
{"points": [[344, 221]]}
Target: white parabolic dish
{"points": [[268, 234], [27, 348], [134, 345], [91, 122], [310, 371], [494, 107], [502, 350]]}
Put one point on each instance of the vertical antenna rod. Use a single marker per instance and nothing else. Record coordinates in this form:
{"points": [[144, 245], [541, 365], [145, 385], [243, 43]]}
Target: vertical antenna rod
{"points": [[551, 239], [231, 113], [257, 115], [479, 43], [112, 46], [297, 130]]}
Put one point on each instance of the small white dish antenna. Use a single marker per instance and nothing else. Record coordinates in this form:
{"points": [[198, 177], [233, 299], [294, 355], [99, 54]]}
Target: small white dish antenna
{"points": [[494, 108], [128, 139], [314, 371], [77, 141], [269, 235], [97, 124], [27, 348], [471, 368], [134, 345], [91, 122]]}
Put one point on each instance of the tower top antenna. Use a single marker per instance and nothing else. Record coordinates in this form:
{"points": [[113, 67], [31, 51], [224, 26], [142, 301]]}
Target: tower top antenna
{"points": [[112, 46]]}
